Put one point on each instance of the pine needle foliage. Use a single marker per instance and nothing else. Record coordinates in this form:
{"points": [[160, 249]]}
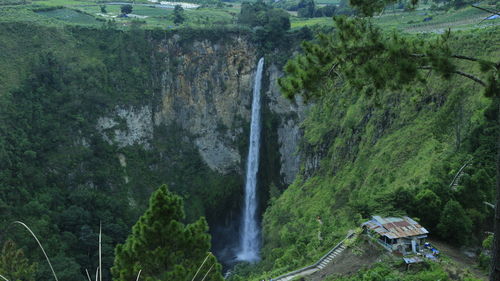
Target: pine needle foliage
{"points": [[369, 59], [14, 265], [162, 246]]}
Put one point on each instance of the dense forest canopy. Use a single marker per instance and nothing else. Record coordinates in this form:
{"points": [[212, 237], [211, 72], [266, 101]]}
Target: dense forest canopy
{"points": [[396, 123]]}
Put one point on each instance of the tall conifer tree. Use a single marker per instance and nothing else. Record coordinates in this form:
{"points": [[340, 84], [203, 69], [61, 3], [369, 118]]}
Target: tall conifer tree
{"points": [[164, 248]]}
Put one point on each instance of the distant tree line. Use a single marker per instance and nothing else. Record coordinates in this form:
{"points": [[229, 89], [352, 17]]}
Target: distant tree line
{"points": [[269, 24], [178, 15], [309, 9]]}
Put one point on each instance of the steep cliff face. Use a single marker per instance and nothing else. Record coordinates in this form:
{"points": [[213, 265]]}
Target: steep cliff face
{"points": [[205, 88], [291, 114], [208, 93], [202, 96], [99, 129]]}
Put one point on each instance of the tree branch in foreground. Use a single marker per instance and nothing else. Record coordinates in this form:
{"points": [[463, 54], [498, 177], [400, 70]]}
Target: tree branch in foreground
{"points": [[464, 74]]}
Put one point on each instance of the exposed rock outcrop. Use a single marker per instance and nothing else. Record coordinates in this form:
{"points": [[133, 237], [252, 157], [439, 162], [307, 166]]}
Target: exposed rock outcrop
{"points": [[291, 113], [205, 88], [208, 93], [127, 126]]}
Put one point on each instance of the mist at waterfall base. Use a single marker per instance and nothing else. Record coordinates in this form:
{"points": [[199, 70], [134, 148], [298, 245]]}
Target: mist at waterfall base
{"points": [[238, 238]]}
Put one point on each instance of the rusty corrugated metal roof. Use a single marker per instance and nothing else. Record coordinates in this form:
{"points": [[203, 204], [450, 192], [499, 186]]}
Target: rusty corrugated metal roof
{"points": [[395, 227]]}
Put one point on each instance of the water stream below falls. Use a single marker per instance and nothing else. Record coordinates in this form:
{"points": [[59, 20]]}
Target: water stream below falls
{"points": [[250, 234]]}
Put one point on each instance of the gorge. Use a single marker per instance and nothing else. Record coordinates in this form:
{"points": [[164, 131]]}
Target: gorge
{"points": [[101, 123], [172, 109]]}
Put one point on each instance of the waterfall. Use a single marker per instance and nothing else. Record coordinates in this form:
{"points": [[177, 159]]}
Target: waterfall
{"points": [[249, 244]]}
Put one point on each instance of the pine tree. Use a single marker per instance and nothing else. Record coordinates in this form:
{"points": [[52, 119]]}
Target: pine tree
{"points": [[178, 14], [368, 59], [14, 265], [163, 248]]}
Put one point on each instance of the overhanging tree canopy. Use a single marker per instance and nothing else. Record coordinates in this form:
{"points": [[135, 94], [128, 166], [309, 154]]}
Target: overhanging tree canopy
{"points": [[369, 59]]}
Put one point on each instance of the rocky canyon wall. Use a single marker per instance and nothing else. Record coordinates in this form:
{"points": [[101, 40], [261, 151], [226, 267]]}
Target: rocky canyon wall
{"points": [[205, 88]]}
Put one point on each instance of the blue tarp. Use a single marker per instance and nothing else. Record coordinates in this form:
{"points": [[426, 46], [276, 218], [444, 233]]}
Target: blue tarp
{"points": [[431, 256], [412, 260]]}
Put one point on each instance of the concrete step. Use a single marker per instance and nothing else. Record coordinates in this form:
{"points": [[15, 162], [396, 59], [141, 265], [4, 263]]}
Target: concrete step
{"points": [[328, 259]]}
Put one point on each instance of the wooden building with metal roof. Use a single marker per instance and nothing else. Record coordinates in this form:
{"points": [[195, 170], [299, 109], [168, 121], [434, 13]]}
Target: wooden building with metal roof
{"points": [[402, 235]]}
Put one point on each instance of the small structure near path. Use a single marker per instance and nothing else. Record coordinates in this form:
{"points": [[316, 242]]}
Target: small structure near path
{"points": [[399, 235]]}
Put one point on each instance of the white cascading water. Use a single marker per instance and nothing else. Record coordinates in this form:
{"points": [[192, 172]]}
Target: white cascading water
{"points": [[249, 244]]}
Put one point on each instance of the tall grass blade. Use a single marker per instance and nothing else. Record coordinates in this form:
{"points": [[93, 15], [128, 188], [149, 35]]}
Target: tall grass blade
{"points": [[138, 275], [88, 275], [199, 268], [100, 253], [96, 273], [206, 274], [4, 278], [41, 247]]}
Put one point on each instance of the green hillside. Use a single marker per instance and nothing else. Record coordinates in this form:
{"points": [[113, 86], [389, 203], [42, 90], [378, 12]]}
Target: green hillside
{"points": [[68, 70], [58, 174], [391, 154]]}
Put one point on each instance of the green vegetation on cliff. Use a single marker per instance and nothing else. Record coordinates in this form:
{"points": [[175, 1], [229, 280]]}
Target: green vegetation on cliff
{"points": [[391, 153], [14, 265], [58, 173]]}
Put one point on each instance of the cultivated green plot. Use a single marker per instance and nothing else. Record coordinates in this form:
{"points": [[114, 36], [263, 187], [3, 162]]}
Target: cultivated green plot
{"points": [[301, 22], [417, 21], [428, 20], [331, 2], [69, 15], [63, 2], [209, 16]]}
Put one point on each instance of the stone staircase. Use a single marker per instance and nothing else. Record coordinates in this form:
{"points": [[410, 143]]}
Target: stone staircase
{"points": [[330, 257], [319, 265]]}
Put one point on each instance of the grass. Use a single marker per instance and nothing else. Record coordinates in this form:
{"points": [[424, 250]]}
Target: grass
{"points": [[413, 21], [64, 2], [71, 16], [330, 2], [301, 22], [39, 244], [99, 268], [88, 13]]}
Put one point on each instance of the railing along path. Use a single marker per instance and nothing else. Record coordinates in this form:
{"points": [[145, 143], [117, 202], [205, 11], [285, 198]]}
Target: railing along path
{"points": [[319, 265]]}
